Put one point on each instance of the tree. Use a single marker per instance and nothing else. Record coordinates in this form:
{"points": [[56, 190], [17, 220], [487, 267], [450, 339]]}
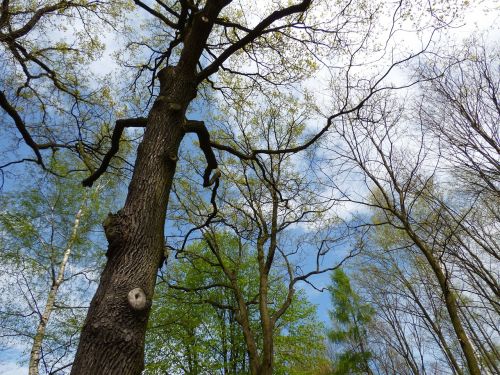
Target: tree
{"points": [[202, 39], [193, 329], [394, 183], [461, 111], [350, 318], [50, 254], [406, 187], [410, 332], [277, 214], [46, 48]]}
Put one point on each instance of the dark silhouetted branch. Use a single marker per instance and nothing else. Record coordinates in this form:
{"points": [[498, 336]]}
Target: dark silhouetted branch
{"points": [[203, 134], [156, 14], [252, 35], [115, 144], [11, 111]]}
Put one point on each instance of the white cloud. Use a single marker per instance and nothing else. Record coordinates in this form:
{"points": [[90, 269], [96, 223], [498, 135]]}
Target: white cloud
{"points": [[12, 368]]}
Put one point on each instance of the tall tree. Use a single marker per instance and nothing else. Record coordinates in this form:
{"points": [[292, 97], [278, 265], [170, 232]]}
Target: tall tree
{"points": [[350, 318], [50, 252], [409, 189], [411, 332], [112, 339], [398, 189], [193, 329], [203, 36], [278, 215]]}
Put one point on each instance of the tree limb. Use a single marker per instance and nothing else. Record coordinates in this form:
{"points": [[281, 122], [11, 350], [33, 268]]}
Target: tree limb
{"points": [[33, 20], [156, 14], [198, 127], [11, 111], [252, 35], [115, 143]]}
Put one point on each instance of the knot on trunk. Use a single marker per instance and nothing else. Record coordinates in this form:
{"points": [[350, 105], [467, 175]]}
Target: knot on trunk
{"points": [[181, 83], [137, 299], [113, 230]]}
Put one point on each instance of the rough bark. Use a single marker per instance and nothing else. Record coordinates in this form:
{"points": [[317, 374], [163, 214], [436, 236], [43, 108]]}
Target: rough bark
{"points": [[112, 339], [51, 299]]}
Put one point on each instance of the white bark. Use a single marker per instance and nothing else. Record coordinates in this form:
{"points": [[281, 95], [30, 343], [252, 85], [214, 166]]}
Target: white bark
{"points": [[35, 354]]}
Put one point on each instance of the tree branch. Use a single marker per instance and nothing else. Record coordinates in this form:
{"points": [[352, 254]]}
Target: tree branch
{"points": [[252, 35], [198, 127], [200, 288], [34, 19], [115, 143], [156, 14], [11, 111], [4, 15]]}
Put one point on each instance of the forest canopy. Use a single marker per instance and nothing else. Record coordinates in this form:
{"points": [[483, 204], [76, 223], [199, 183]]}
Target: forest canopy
{"points": [[235, 187]]}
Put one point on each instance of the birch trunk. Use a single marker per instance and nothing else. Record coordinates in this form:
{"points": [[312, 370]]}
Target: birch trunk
{"points": [[36, 348]]}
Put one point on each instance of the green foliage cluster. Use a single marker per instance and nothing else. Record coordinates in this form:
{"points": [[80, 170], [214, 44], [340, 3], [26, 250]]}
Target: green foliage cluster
{"points": [[37, 222], [193, 327], [350, 318]]}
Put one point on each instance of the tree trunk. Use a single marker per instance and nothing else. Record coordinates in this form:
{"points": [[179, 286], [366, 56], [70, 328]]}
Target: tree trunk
{"points": [[112, 339], [224, 340], [51, 299], [490, 354], [450, 302], [266, 366], [435, 328], [267, 321], [243, 319]]}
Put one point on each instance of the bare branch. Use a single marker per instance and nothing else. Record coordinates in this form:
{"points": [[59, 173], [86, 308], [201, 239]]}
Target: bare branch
{"points": [[115, 143], [198, 127], [4, 103], [156, 14]]}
